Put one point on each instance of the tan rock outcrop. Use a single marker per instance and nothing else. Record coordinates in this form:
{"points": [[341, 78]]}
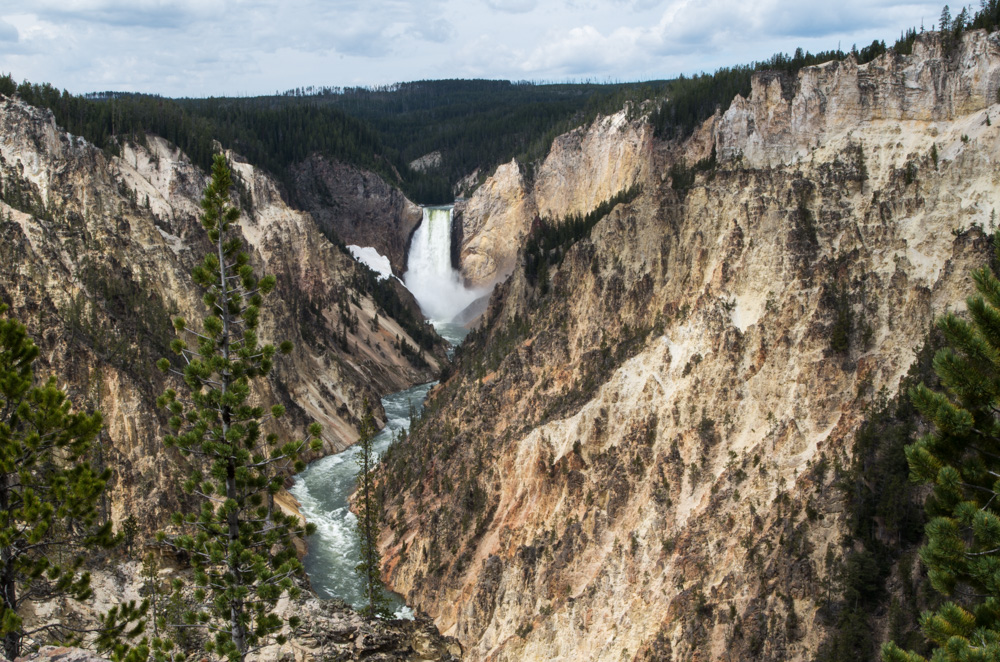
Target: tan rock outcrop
{"points": [[592, 164], [584, 168], [773, 127], [59, 654], [494, 223]]}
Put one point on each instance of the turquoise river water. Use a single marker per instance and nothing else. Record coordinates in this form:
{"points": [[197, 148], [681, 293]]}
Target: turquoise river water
{"points": [[324, 487]]}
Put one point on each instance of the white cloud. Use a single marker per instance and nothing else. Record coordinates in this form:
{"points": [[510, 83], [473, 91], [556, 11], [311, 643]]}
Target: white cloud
{"points": [[512, 6], [8, 33], [159, 14], [483, 56], [202, 47], [689, 29]]}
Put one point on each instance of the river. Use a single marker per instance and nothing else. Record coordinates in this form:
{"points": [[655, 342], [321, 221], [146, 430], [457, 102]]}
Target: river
{"points": [[324, 487]]}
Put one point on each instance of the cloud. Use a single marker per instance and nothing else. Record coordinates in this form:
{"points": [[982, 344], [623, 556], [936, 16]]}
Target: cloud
{"points": [[512, 6], [373, 29], [693, 28], [484, 56], [202, 47], [641, 5], [436, 30], [155, 14], [579, 50], [8, 33]]}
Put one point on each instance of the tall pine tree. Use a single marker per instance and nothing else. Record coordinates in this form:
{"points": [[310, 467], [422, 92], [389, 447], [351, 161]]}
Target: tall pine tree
{"points": [[48, 492], [239, 543], [960, 458], [369, 566]]}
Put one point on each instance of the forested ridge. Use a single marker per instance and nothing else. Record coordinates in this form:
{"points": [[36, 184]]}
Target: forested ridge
{"points": [[477, 123], [474, 124]]}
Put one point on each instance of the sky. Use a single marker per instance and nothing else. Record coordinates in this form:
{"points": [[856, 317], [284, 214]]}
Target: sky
{"points": [[202, 48]]}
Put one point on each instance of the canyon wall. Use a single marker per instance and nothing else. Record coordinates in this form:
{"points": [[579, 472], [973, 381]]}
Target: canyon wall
{"points": [[584, 168], [95, 258], [637, 460], [357, 205]]}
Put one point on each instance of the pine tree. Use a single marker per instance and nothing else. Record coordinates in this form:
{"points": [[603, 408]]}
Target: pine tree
{"points": [[239, 544], [961, 459], [944, 23], [369, 567], [48, 491]]}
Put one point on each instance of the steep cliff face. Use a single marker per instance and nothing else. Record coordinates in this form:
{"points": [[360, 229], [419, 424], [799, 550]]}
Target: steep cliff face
{"points": [[774, 127], [95, 257], [494, 223], [359, 206], [635, 461], [584, 168]]}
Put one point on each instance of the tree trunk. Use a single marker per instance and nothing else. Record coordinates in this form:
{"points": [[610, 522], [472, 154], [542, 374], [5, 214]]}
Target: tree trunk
{"points": [[233, 520], [8, 587]]}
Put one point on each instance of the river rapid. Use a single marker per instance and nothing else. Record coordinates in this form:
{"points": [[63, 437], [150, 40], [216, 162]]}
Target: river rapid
{"points": [[323, 489]]}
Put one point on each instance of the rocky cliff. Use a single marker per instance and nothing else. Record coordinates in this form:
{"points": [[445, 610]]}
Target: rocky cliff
{"points": [[584, 168], [330, 630], [95, 257], [636, 460], [358, 206]]}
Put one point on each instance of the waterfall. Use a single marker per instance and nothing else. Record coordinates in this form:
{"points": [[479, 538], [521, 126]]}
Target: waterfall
{"points": [[436, 286]]}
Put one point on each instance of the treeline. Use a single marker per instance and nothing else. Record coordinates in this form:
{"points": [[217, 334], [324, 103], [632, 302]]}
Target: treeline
{"points": [[473, 123], [276, 136], [107, 119], [987, 18], [272, 136]]}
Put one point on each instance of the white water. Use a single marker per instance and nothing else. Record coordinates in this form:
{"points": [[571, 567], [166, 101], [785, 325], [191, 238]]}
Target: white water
{"points": [[429, 276], [323, 489]]}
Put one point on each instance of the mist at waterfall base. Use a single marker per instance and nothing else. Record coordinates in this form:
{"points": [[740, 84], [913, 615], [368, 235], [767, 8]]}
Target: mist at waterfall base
{"points": [[323, 489], [436, 286]]}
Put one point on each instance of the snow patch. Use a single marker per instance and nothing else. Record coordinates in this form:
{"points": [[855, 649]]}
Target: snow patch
{"points": [[374, 260]]}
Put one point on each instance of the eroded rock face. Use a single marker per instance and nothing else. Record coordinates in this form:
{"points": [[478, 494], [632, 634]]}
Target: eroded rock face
{"points": [[359, 206], [428, 161], [584, 168], [773, 127], [592, 164], [329, 630], [95, 258], [59, 654], [637, 465], [332, 631], [494, 223]]}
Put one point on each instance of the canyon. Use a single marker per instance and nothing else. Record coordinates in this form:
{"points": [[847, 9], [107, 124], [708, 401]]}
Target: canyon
{"points": [[637, 456], [96, 252]]}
